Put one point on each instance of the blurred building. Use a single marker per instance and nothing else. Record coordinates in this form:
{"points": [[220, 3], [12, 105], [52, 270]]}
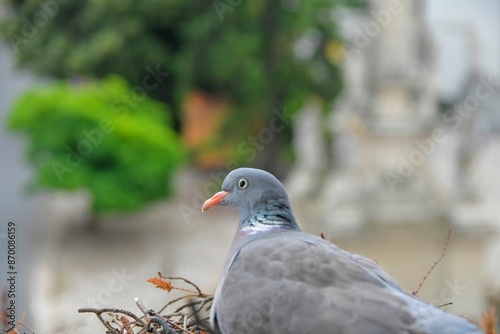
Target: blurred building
{"points": [[415, 141]]}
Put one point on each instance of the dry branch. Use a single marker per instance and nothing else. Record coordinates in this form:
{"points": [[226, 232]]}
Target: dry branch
{"points": [[188, 316], [20, 324], [433, 265]]}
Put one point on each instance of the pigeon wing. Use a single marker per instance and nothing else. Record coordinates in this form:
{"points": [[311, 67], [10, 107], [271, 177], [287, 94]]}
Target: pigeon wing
{"points": [[292, 284]]}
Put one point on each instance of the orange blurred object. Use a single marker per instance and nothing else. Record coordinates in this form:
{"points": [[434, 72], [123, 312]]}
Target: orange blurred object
{"points": [[203, 118]]}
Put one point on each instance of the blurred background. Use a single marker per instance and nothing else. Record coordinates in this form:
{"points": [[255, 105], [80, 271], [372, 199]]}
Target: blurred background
{"points": [[119, 118]]}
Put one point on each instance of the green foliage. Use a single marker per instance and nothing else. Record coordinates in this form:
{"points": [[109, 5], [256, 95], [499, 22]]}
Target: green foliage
{"points": [[259, 54], [102, 137]]}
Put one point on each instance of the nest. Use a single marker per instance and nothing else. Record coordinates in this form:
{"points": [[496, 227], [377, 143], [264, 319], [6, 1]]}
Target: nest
{"points": [[189, 315]]}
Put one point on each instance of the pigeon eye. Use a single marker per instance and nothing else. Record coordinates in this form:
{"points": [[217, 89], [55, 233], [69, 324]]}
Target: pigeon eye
{"points": [[242, 183]]}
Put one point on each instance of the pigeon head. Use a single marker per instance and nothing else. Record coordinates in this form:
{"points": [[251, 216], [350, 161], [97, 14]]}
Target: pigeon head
{"points": [[256, 195]]}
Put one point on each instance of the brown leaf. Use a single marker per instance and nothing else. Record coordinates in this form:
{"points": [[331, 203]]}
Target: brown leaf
{"points": [[489, 321], [126, 325], [161, 283]]}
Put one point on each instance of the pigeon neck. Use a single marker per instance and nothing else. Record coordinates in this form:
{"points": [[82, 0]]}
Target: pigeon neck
{"points": [[272, 217]]}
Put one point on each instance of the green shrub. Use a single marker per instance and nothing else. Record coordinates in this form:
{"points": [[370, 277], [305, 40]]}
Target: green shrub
{"points": [[106, 137], [258, 55]]}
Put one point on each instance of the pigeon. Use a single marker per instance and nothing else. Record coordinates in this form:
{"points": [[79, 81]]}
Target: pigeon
{"points": [[278, 279]]}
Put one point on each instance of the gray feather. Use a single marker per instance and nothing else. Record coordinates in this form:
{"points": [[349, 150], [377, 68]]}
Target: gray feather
{"points": [[280, 280]]}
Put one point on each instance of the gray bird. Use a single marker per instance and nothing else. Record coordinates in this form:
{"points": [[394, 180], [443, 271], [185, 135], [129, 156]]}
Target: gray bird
{"points": [[280, 280]]}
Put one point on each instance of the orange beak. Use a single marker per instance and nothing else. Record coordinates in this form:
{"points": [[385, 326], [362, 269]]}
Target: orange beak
{"points": [[214, 200]]}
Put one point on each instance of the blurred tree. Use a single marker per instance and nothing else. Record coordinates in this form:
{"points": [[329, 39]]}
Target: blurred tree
{"points": [[259, 55], [124, 156]]}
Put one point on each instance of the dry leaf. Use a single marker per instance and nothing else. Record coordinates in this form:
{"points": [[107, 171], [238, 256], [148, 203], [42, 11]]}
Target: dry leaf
{"points": [[490, 321], [161, 284]]}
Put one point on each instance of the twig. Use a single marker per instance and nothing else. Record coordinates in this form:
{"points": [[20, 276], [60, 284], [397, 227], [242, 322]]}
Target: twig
{"points": [[141, 307], [126, 325], [199, 321], [198, 290], [164, 324], [180, 328], [192, 303], [99, 312], [434, 265], [184, 319], [473, 321], [20, 324], [208, 298]]}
